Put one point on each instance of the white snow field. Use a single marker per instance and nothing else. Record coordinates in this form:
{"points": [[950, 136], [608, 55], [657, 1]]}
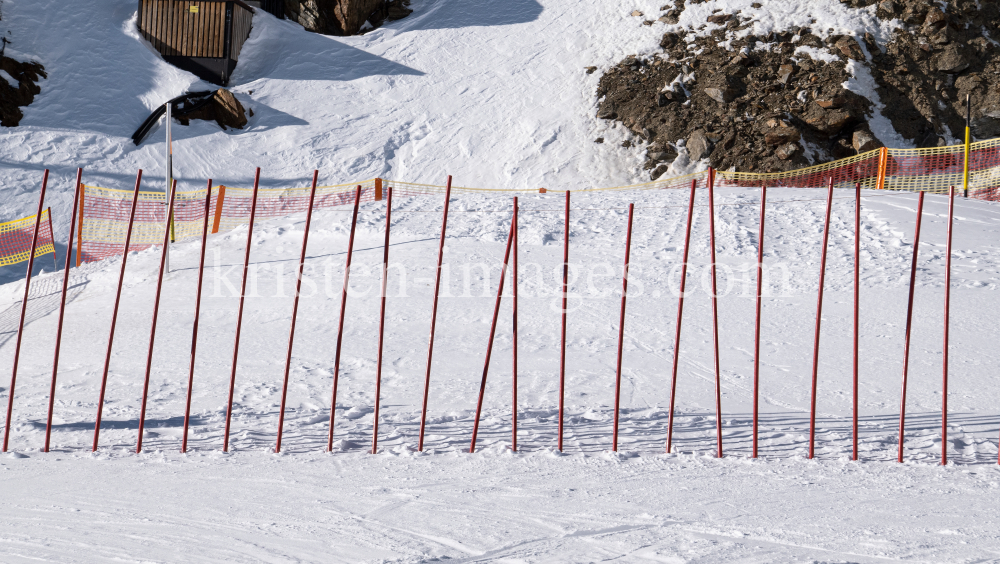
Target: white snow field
{"points": [[495, 94]]}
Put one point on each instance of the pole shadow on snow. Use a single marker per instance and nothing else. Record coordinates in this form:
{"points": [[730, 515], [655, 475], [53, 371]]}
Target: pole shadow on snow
{"points": [[43, 300]]}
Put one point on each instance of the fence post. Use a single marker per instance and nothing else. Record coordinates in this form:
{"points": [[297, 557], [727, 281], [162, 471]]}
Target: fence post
{"points": [[381, 320], [756, 338], [715, 314], [968, 144], [857, 300], [909, 320], [680, 317], [295, 310], [621, 329], [947, 307], [218, 208], [513, 284], [378, 189], [343, 310], [24, 308], [437, 288], [562, 343], [52, 235], [883, 165], [819, 318], [114, 313], [197, 315], [489, 343], [62, 310]]}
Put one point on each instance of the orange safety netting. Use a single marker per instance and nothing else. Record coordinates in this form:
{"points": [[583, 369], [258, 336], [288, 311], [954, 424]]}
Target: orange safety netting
{"points": [[105, 212], [15, 239]]}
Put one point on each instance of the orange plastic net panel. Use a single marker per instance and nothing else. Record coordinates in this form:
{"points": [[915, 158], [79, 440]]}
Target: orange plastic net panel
{"points": [[15, 239], [106, 213]]}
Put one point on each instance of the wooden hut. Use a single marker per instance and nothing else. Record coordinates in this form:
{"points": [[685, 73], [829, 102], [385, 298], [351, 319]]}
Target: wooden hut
{"points": [[204, 37]]}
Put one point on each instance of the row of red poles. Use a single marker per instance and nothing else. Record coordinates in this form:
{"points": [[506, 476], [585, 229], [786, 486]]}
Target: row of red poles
{"points": [[510, 252]]}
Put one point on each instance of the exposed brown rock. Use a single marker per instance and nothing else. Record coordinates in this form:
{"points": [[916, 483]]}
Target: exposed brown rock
{"points": [[223, 108], [15, 96]]}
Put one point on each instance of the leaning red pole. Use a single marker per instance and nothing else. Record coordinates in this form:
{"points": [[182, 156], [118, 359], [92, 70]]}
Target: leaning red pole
{"points": [[680, 316], [819, 317], [197, 314], [434, 308], [909, 322], [295, 310], [621, 329], [114, 313], [239, 314], [343, 311], [62, 308], [756, 333], [24, 308], [857, 300], [513, 382], [715, 315], [947, 323], [562, 341], [489, 342], [156, 311], [381, 321]]}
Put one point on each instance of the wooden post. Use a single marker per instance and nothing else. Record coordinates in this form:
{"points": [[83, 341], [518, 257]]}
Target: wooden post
{"points": [[79, 230], [218, 208], [378, 189]]}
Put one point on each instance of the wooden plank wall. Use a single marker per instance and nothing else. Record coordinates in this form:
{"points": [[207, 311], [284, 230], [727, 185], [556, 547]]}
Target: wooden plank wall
{"points": [[242, 20], [174, 30]]}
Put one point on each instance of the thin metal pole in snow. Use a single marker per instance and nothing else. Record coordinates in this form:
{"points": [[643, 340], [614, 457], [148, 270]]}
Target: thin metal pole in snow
{"points": [[857, 303], [295, 310], [562, 342], [239, 314], [680, 316], [430, 345], [197, 313], [156, 311], [114, 313], [24, 308], [621, 329], [819, 317], [489, 343], [756, 334], [343, 310], [947, 322], [62, 308], [381, 320], [513, 285], [715, 314], [909, 320]]}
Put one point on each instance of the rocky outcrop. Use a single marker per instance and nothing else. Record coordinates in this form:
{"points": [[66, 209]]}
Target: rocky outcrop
{"points": [[780, 101], [222, 108], [22, 92], [344, 17]]}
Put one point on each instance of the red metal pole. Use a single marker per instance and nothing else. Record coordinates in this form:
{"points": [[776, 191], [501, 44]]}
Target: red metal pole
{"points": [[197, 313], [343, 310], [562, 343], [62, 309], [114, 313], [513, 433], [156, 311], [819, 317], [909, 320], [381, 320], [489, 343], [434, 308], [295, 310], [680, 316], [24, 307], [857, 301], [239, 314], [621, 329], [756, 334], [947, 323], [715, 315]]}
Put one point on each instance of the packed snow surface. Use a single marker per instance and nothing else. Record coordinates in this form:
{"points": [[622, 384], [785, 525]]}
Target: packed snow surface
{"points": [[495, 94]]}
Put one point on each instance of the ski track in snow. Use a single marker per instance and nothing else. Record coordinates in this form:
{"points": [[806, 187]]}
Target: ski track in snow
{"points": [[495, 94]]}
